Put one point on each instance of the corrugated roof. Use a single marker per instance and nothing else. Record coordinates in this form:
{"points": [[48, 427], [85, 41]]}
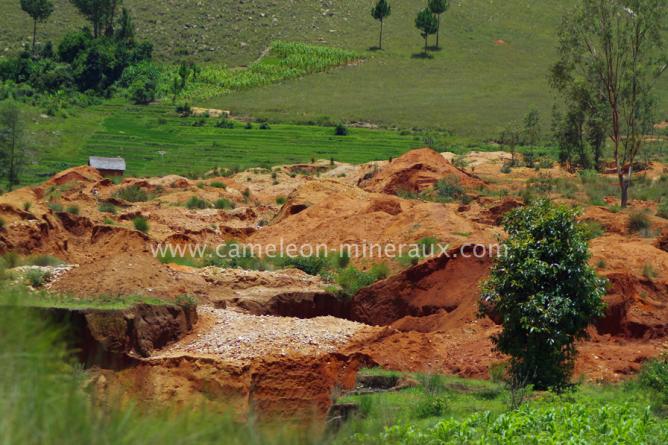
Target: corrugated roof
{"points": [[117, 164]]}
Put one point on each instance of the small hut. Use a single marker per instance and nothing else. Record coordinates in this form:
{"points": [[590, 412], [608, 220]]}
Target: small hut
{"points": [[108, 167]]}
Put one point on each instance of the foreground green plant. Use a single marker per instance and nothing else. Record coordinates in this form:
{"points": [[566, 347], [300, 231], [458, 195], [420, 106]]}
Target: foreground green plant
{"points": [[545, 293], [572, 423]]}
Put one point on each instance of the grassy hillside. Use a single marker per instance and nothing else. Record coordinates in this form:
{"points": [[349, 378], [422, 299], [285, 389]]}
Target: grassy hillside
{"points": [[230, 31], [140, 134], [490, 72]]}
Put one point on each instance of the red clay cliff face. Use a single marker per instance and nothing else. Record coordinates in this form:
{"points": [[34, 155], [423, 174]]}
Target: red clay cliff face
{"points": [[447, 283]]}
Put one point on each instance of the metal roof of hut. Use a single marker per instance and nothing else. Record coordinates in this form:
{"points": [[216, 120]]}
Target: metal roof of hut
{"points": [[115, 164]]}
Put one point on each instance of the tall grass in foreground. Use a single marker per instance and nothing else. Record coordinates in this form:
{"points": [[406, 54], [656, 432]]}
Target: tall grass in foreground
{"points": [[43, 398], [284, 61]]}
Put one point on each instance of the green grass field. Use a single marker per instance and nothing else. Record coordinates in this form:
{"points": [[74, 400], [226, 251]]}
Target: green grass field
{"points": [[474, 86], [140, 134]]}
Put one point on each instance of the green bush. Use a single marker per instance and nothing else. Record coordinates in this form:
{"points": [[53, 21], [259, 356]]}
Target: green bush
{"points": [[343, 260], [224, 122], [281, 200], [507, 168], [73, 209], [662, 211], [107, 207], [649, 272], [223, 204], [544, 291], [341, 130], [196, 202], [184, 109], [218, 185], [56, 207], [449, 188], [132, 193], [352, 280], [265, 126], [431, 407], [27, 206], [654, 376], [143, 90], [312, 265], [639, 222], [37, 278], [186, 301], [428, 246], [141, 224], [591, 229]]}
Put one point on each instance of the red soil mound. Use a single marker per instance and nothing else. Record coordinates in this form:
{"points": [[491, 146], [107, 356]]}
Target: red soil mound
{"points": [[416, 171], [129, 274], [446, 283], [331, 213]]}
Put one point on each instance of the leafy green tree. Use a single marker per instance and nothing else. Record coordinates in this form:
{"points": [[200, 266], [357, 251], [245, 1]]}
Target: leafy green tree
{"points": [[13, 150], [40, 11], [544, 292], [510, 137], [126, 28], [100, 13], [427, 24], [380, 12], [532, 130], [616, 48], [438, 7]]}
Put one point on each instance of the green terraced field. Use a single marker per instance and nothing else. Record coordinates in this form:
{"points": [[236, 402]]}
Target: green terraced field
{"points": [[139, 134]]}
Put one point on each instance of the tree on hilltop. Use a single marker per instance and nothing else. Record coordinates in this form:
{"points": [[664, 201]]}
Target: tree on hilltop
{"points": [[438, 7], [39, 11], [427, 24], [380, 12]]}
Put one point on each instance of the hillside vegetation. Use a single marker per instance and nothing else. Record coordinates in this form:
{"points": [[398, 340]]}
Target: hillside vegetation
{"points": [[491, 70]]}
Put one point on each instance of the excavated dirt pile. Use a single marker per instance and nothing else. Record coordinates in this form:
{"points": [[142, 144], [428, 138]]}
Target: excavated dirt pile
{"points": [[281, 342], [415, 172]]}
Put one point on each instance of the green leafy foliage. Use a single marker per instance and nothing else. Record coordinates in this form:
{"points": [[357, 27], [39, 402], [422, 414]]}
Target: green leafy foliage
{"points": [[107, 207], [579, 422], [132, 193], [195, 202], [544, 291], [341, 130], [639, 222], [223, 204], [141, 224], [654, 376]]}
